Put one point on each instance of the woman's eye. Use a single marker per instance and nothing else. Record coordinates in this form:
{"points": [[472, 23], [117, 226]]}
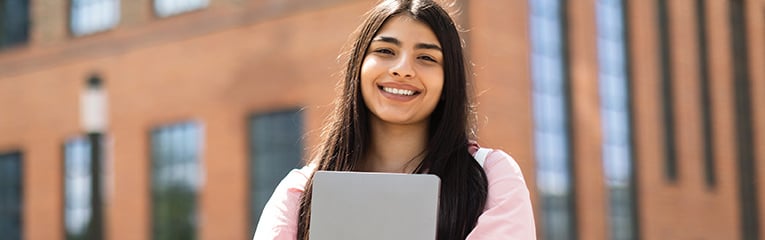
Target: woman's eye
{"points": [[427, 58], [384, 51]]}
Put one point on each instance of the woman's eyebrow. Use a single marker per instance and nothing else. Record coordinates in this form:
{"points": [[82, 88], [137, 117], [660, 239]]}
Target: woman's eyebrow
{"points": [[427, 46], [396, 42], [387, 40]]}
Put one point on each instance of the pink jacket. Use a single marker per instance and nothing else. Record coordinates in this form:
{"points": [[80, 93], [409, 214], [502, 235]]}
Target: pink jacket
{"points": [[507, 214]]}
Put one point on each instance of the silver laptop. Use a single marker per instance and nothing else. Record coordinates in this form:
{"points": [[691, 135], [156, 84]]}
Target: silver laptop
{"points": [[360, 205]]}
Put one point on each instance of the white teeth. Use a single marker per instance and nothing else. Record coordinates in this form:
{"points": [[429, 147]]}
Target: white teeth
{"points": [[398, 91]]}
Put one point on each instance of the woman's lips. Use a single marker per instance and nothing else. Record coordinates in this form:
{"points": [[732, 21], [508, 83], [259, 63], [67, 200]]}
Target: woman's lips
{"points": [[398, 93]]}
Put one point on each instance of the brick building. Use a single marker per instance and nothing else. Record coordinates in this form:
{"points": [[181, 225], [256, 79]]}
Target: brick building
{"points": [[630, 119]]}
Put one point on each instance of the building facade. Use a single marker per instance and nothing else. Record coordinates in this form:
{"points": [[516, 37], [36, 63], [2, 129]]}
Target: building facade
{"points": [[629, 119]]}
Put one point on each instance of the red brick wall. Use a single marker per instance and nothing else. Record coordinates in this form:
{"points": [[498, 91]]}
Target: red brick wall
{"points": [[681, 209], [499, 49], [221, 64], [756, 30], [216, 66]]}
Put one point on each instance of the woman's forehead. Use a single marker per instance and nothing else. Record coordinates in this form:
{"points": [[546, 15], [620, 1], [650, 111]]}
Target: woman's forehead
{"points": [[407, 29]]}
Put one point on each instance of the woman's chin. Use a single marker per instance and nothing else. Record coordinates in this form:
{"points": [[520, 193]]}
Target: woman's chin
{"points": [[399, 119]]}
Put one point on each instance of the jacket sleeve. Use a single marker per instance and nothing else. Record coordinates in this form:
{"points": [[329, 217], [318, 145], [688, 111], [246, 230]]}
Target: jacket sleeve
{"points": [[508, 213], [280, 215]]}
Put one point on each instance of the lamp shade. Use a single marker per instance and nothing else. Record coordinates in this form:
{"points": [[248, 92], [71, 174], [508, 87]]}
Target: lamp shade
{"points": [[93, 107]]}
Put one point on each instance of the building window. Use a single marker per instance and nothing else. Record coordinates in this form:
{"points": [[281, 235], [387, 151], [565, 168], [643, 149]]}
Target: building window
{"points": [[615, 114], [551, 119], [91, 16], [165, 8], [706, 98], [747, 166], [670, 149], [276, 147], [10, 196], [14, 22], [78, 190], [176, 177]]}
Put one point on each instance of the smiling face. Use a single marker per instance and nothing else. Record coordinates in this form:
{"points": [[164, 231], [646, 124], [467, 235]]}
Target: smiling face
{"points": [[402, 73]]}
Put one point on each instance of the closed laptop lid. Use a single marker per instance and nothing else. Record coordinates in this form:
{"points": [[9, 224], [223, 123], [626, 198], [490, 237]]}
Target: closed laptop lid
{"points": [[362, 205]]}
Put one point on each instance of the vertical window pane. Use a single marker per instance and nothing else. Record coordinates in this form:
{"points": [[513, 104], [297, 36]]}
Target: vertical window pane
{"points": [[165, 8], [747, 160], [77, 188], [10, 196], [176, 177], [615, 114], [276, 147], [554, 178], [91, 16], [705, 95], [670, 152], [14, 22]]}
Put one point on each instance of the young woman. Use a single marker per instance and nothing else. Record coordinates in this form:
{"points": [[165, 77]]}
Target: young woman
{"points": [[404, 108]]}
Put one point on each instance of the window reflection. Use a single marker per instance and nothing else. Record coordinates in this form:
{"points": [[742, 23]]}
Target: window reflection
{"points": [[14, 22], [10, 196], [275, 148], [90, 16], [176, 180], [551, 134], [165, 8], [614, 98], [77, 187]]}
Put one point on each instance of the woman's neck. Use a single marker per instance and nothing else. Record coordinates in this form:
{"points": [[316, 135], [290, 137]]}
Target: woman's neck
{"points": [[394, 147]]}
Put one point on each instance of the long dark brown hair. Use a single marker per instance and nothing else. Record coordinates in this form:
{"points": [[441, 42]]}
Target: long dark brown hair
{"points": [[346, 136]]}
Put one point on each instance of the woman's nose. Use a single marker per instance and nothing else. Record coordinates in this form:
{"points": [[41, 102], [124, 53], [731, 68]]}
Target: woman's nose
{"points": [[402, 68]]}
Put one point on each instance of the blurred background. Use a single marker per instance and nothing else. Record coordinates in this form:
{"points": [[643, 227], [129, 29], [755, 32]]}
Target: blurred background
{"points": [[175, 119]]}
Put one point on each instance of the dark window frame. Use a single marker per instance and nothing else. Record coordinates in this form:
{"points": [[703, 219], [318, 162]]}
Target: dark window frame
{"points": [[632, 125], [156, 157], [707, 121], [253, 161], [665, 58], [19, 156], [570, 199], [8, 39], [564, 16], [630, 111], [747, 172]]}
